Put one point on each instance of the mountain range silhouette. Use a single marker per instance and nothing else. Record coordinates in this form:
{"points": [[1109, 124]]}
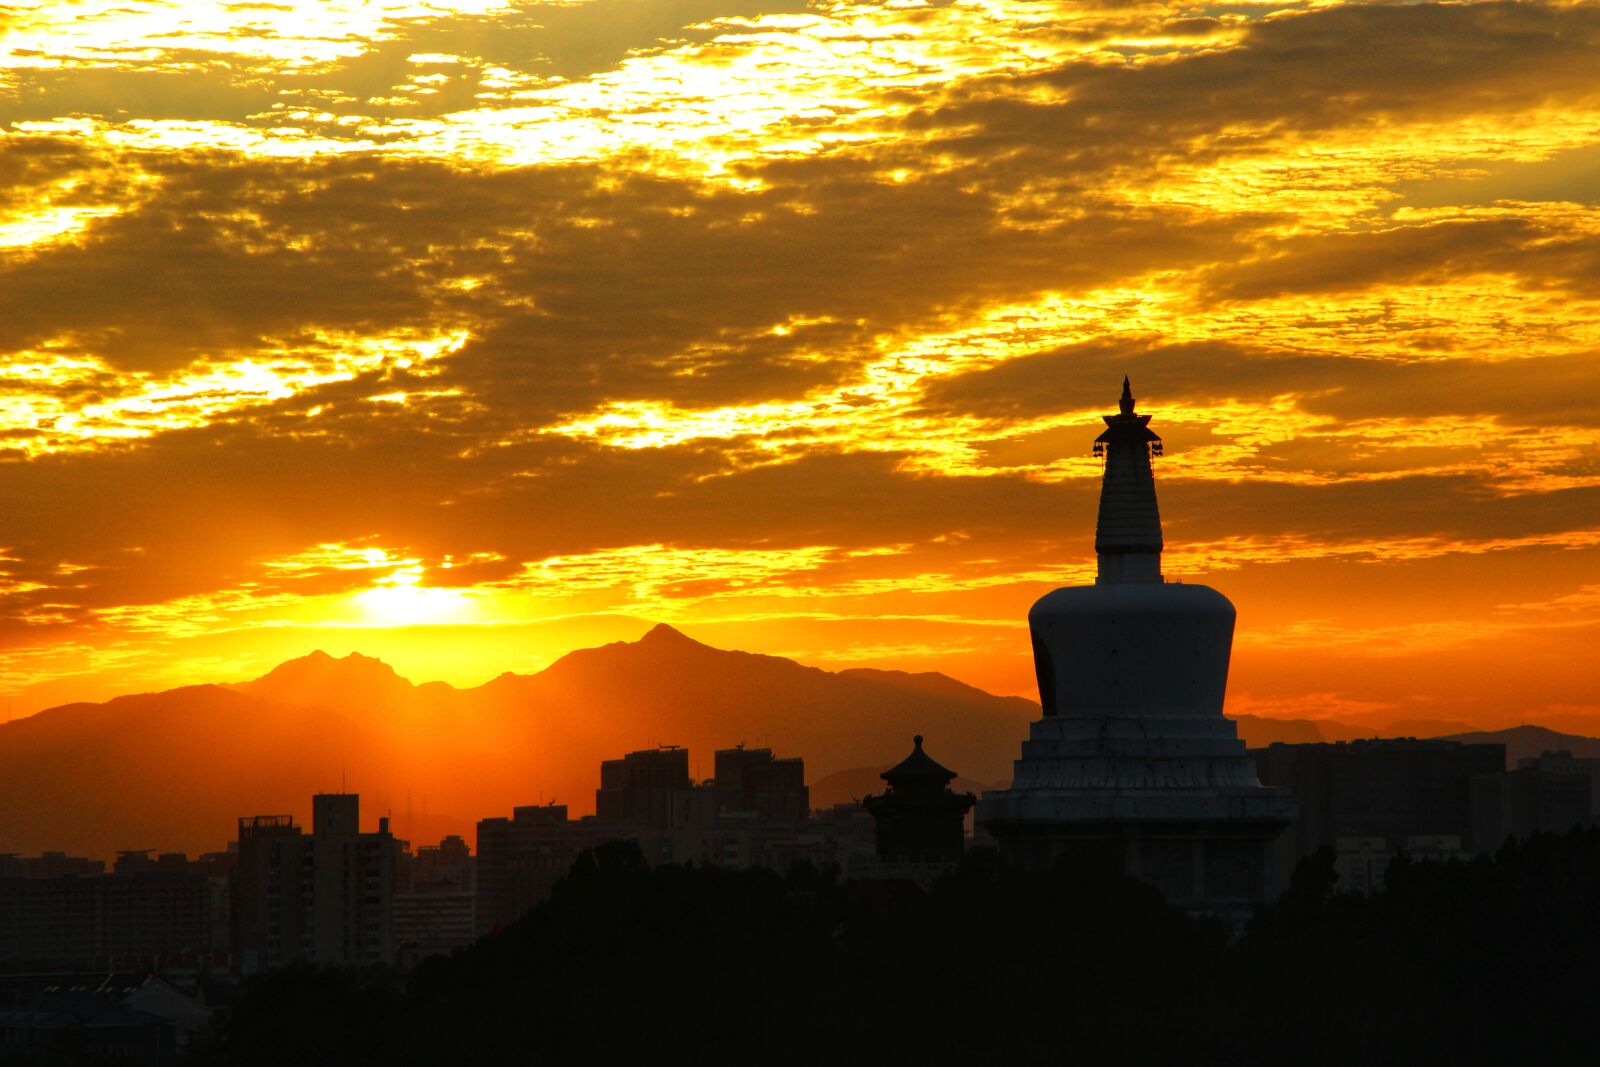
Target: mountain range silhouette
{"points": [[174, 770]]}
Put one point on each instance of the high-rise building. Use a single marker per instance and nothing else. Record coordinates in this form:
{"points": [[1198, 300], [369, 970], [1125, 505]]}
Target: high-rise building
{"points": [[269, 892], [352, 884], [520, 859], [1564, 762], [1547, 794], [1389, 788], [1133, 753], [753, 780], [323, 897], [753, 813], [649, 788], [137, 916]]}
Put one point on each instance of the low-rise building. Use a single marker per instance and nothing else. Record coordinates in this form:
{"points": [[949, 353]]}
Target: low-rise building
{"points": [[1363, 862], [101, 1016]]}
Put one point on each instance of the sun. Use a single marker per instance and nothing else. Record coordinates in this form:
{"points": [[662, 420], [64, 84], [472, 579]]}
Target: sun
{"points": [[402, 600]]}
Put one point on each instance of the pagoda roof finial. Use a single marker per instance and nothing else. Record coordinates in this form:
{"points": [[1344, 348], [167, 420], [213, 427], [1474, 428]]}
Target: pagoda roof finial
{"points": [[1127, 535]]}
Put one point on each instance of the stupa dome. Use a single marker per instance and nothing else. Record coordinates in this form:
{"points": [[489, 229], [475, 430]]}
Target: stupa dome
{"points": [[1133, 750]]}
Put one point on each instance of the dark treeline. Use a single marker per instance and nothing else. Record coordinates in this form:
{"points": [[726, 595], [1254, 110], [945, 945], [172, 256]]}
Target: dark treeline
{"points": [[1474, 962]]}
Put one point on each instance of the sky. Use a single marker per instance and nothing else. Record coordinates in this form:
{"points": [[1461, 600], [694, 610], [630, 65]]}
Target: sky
{"points": [[467, 333]]}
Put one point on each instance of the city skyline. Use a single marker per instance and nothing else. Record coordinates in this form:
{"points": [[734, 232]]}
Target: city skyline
{"points": [[1132, 673], [466, 335], [605, 531]]}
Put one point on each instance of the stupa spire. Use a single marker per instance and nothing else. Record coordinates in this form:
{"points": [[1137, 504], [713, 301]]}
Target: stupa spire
{"points": [[1132, 752], [1127, 535]]}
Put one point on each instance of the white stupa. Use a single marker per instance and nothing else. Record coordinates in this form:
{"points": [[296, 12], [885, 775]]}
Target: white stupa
{"points": [[1133, 751]]}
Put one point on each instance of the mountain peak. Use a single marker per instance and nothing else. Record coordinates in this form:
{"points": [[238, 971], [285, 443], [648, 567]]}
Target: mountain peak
{"points": [[337, 682], [321, 662], [661, 633]]}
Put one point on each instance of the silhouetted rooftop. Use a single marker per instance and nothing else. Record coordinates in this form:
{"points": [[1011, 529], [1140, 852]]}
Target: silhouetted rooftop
{"points": [[917, 769]]}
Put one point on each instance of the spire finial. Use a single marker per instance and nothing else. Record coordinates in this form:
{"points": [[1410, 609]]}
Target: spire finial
{"points": [[1127, 535]]}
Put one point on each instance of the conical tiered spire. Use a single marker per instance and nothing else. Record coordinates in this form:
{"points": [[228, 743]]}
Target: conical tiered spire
{"points": [[1127, 536]]}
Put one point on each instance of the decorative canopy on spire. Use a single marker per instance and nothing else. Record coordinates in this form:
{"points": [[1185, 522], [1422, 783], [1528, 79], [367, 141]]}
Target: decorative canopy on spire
{"points": [[1127, 535]]}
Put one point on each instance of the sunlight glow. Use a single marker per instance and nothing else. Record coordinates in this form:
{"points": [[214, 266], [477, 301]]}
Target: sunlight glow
{"points": [[400, 600], [436, 323]]}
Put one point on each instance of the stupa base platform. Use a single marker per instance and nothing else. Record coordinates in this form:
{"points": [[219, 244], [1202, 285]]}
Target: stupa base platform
{"points": [[1209, 852]]}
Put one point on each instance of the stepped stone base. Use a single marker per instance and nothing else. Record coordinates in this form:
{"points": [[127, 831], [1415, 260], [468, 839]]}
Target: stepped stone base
{"points": [[1174, 797]]}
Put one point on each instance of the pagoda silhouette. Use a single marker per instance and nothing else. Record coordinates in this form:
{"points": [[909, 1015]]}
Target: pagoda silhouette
{"points": [[919, 819], [1133, 753]]}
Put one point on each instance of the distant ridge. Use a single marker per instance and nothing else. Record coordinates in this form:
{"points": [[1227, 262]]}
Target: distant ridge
{"points": [[1526, 742], [174, 770], [320, 679], [1522, 742]]}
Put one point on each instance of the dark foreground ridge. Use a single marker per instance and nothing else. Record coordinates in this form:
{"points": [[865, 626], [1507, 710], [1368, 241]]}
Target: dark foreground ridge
{"points": [[1467, 962]]}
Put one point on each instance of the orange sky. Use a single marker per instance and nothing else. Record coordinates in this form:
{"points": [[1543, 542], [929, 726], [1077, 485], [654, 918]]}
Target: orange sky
{"points": [[466, 333]]}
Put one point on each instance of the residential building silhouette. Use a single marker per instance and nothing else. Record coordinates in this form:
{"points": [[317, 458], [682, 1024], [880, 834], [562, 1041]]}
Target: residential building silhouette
{"points": [[1550, 793], [435, 900], [649, 788], [753, 780], [1394, 789], [326, 897], [48, 865], [752, 814], [520, 859], [141, 912]]}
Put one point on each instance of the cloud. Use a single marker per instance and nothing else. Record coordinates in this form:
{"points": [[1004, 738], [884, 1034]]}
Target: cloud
{"points": [[1337, 67], [1531, 252], [797, 311]]}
